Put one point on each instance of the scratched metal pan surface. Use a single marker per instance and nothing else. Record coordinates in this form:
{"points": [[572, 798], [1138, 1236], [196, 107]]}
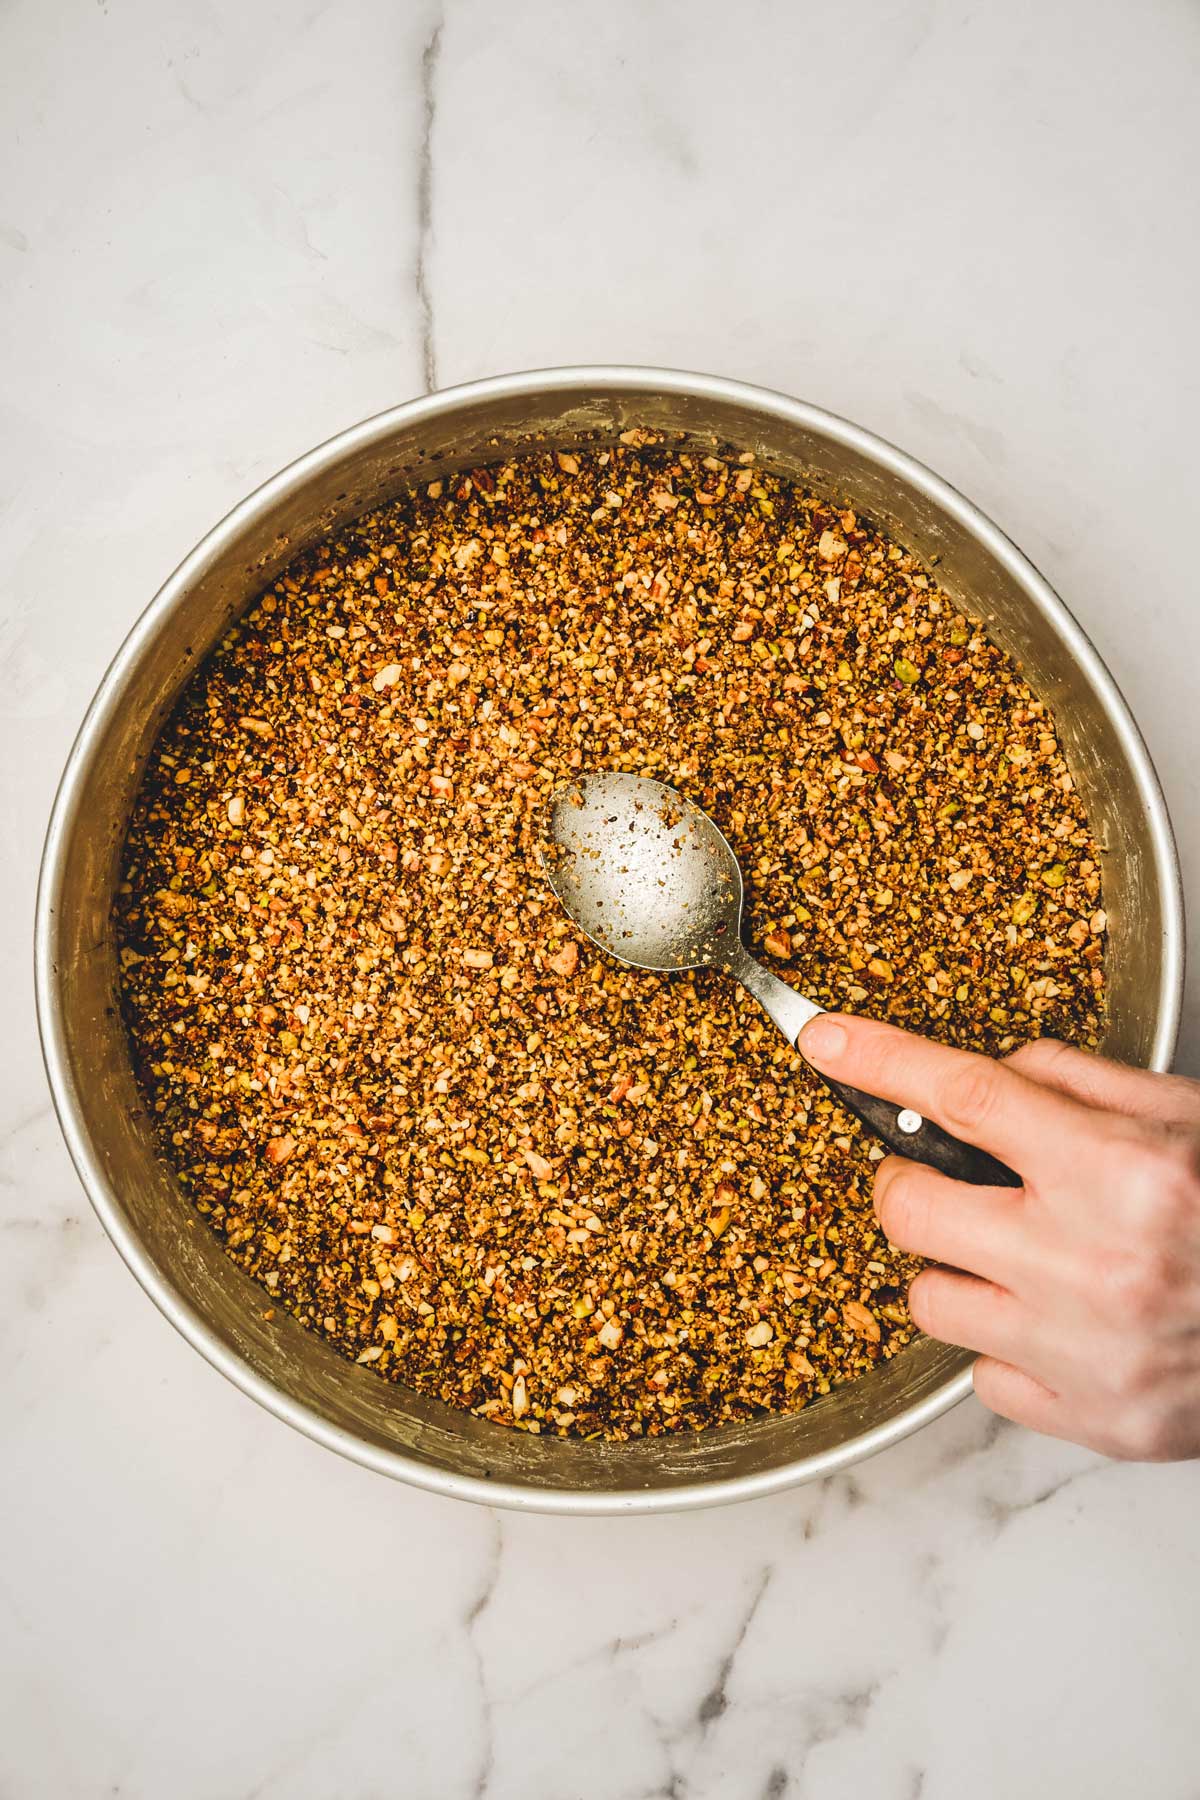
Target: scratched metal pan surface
{"points": [[180, 1264]]}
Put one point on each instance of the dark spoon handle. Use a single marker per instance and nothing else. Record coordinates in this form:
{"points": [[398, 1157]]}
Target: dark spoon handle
{"points": [[926, 1142]]}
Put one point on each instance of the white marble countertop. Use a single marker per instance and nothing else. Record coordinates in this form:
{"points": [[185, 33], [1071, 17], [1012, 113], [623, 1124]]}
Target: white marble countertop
{"points": [[227, 229]]}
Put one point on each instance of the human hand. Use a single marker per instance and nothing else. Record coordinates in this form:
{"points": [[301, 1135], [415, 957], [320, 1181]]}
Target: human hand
{"points": [[1081, 1290]]}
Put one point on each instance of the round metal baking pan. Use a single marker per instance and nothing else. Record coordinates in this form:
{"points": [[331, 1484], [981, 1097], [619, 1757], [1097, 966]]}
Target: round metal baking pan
{"points": [[180, 1263]]}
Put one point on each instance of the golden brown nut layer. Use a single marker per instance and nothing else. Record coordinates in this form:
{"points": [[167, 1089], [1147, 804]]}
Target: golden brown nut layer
{"points": [[421, 1109]]}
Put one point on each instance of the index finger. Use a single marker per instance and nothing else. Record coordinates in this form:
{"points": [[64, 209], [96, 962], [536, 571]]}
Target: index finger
{"points": [[988, 1103]]}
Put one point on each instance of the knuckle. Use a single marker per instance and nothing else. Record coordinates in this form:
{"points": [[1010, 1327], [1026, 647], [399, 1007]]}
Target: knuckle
{"points": [[1163, 1182], [1134, 1373], [1131, 1286], [1184, 1154], [1185, 1098], [971, 1092]]}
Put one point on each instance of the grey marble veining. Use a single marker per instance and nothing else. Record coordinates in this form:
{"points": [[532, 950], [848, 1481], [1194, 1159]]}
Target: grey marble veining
{"points": [[429, 63], [227, 231]]}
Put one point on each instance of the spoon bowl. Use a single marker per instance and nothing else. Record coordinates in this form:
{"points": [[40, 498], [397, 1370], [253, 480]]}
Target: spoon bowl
{"points": [[645, 873]]}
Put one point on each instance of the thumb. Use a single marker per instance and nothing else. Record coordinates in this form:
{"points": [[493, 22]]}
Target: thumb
{"points": [[1108, 1086]]}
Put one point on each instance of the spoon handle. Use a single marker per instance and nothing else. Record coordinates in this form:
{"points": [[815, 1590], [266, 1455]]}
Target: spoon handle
{"points": [[902, 1129], [910, 1134]]}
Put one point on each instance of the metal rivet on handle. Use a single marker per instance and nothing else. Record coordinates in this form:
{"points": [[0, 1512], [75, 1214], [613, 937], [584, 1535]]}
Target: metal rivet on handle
{"points": [[909, 1120]]}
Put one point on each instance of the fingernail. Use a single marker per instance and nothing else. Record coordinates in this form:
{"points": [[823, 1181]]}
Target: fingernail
{"points": [[822, 1040]]}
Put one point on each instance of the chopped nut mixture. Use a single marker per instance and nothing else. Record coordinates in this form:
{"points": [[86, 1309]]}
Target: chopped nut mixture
{"points": [[435, 1122]]}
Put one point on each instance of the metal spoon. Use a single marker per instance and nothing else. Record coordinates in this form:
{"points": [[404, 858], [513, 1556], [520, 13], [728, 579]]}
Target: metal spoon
{"points": [[650, 879]]}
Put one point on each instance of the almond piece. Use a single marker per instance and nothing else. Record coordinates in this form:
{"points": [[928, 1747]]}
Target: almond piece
{"points": [[863, 1323], [565, 961], [794, 1284]]}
